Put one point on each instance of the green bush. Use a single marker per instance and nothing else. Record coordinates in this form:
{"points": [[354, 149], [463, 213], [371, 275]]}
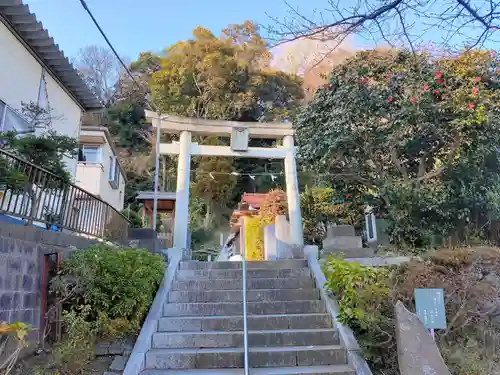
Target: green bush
{"points": [[77, 350], [118, 286], [365, 306]]}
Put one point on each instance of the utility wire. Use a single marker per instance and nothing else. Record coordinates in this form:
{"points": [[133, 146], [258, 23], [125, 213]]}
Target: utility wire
{"points": [[84, 4]]}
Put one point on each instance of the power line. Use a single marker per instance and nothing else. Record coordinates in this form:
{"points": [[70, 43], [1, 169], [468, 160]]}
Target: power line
{"points": [[234, 173], [84, 4]]}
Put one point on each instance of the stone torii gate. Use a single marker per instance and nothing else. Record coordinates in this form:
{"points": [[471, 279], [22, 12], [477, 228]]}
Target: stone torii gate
{"points": [[240, 133]]}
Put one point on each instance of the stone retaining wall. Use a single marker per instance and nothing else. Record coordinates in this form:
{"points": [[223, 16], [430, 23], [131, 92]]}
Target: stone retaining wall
{"points": [[22, 251]]}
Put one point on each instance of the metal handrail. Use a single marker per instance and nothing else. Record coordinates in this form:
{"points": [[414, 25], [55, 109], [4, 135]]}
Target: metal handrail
{"points": [[245, 315], [37, 195]]}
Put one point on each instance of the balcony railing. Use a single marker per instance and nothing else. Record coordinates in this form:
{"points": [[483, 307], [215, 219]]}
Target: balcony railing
{"points": [[40, 197]]}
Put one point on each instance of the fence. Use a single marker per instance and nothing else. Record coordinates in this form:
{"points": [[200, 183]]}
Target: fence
{"points": [[41, 198]]}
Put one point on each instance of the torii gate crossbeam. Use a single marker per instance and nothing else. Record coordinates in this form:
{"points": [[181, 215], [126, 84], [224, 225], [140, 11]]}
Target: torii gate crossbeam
{"points": [[240, 132]]}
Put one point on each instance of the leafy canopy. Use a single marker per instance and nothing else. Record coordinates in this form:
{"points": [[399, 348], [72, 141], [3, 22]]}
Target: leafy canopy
{"points": [[226, 77], [45, 148], [421, 133], [213, 181], [394, 114]]}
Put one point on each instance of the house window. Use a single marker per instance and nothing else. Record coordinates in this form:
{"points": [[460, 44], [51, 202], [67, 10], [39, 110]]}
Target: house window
{"points": [[12, 121], [114, 172], [89, 154]]}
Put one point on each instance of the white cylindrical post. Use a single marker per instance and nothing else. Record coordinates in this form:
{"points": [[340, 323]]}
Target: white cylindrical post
{"points": [[182, 193], [292, 192]]}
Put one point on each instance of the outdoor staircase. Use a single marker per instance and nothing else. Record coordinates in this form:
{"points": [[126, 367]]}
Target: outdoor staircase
{"points": [[201, 331]]}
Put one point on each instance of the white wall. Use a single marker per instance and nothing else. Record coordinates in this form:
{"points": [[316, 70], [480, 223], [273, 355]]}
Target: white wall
{"points": [[88, 177], [94, 177], [20, 76]]}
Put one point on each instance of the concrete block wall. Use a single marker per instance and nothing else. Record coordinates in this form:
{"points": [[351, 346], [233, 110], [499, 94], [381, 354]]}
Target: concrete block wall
{"points": [[22, 250], [19, 281]]}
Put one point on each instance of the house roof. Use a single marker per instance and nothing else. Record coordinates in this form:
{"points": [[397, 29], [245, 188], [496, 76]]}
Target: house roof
{"points": [[22, 23], [254, 199]]}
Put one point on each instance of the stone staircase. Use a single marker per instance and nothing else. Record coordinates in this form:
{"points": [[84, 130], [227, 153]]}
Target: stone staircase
{"points": [[201, 331]]}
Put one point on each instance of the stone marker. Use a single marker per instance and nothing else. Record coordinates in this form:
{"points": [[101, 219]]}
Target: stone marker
{"points": [[418, 354], [340, 230]]}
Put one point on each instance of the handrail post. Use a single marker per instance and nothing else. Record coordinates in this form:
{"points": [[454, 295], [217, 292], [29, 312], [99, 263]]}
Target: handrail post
{"points": [[245, 317]]}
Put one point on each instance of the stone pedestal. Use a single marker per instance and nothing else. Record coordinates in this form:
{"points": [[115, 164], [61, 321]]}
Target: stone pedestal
{"points": [[343, 242], [418, 354], [270, 243], [283, 238], [342, 239]]}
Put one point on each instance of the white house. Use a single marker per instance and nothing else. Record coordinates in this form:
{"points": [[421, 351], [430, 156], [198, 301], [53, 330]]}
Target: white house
{"points": [[99, 171], [34, 69]]}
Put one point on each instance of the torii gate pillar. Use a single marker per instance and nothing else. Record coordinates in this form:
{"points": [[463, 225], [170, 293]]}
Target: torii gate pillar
{"points": [[181, 219], [292, 192]]}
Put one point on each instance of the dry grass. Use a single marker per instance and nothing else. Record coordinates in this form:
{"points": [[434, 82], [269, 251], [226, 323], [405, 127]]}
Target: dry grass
{"points": [[471, 280], [46, 364]]}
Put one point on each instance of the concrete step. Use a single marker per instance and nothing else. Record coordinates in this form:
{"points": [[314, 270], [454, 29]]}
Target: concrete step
{"points": [[363, 252], [271, 338], [196, 358], [228, 284], [270, 264], [236, 308], [237, 295], [235, 323], [294, 370], [264, 273]]}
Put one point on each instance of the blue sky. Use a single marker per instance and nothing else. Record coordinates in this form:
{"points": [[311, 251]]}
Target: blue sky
{"points": [[134, 26], [148, 25]]}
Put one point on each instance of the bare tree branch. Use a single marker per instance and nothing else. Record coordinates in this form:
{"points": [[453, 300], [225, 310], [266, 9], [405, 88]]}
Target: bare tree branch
{"points": [[100, 70], [476, 16], [399, 165], [451, 24], [347, 25], [451, 155]]}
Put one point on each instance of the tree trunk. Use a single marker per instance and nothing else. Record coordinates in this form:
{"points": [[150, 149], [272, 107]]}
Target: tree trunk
{"points": [[32, 196]]}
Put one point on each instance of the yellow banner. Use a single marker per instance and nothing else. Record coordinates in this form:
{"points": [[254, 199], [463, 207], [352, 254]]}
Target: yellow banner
{"points": [[253, 238]]}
